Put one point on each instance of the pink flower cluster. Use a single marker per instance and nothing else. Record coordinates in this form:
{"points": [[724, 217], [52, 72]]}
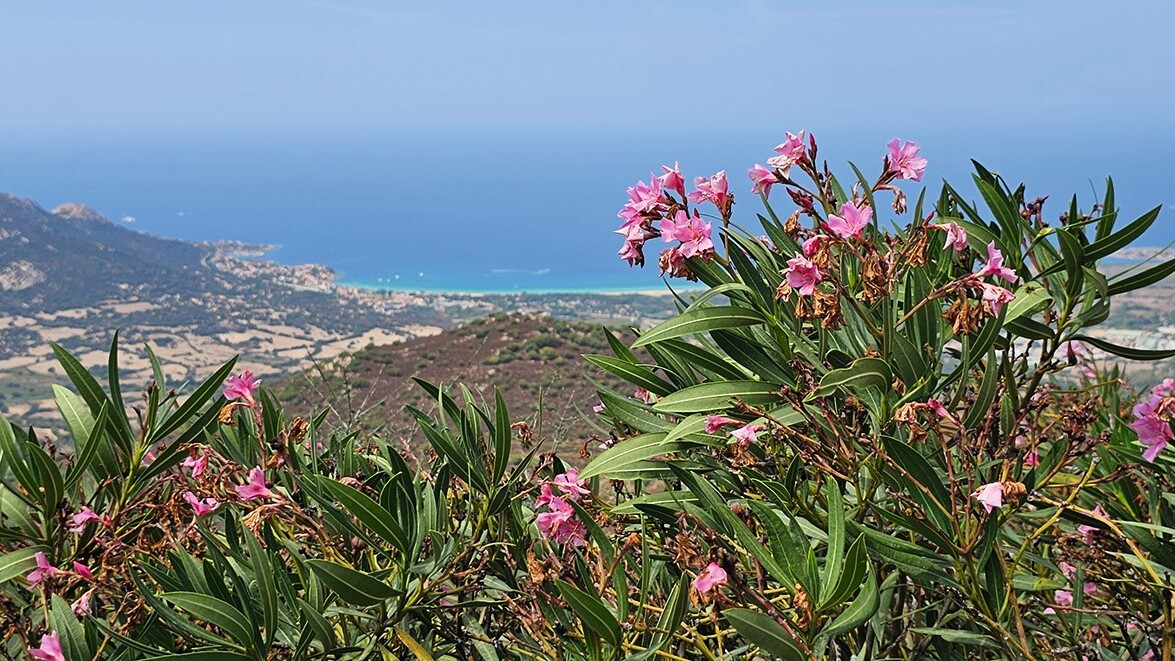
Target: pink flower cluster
{"points": [[241, 387], [653, 210], [995, 296], [558, 522], [1152, 419]]}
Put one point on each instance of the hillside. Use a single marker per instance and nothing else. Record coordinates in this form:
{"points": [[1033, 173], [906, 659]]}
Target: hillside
{"points": [[531, 358]]}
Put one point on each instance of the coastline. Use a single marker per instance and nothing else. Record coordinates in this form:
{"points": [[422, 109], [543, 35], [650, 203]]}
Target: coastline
{"points": [[544, 291]]}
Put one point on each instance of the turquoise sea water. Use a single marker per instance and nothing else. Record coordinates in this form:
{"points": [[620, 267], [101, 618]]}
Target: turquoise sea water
{"points": [[472, 212]]}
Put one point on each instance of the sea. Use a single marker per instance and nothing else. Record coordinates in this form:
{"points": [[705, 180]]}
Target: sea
{"points": [[511, 210]]}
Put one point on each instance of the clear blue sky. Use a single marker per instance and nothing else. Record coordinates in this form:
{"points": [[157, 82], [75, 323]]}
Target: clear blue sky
{"points": [[600, 65]]}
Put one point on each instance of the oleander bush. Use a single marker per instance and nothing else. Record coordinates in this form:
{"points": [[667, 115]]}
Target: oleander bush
{"points": [[864, 440]]}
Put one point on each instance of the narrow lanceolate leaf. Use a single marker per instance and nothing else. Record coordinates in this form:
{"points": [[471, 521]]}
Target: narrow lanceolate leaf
{"points": [[19, 562], [69, 630], [213, 611], [862, 608], [863, 373], [1126, 352], [760, 630], [1140, 280], [595, 615], [637, 375], [353, 587], [1029, 299], [719, 395], [208, 655], [369, 513], [701, 320], [627, 453]]}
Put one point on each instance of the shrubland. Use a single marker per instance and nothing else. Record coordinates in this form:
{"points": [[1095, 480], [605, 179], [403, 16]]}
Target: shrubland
{"points": [[865, 440]]}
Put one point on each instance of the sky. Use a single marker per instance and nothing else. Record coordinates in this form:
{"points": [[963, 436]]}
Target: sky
{"points": [[601, 66]]}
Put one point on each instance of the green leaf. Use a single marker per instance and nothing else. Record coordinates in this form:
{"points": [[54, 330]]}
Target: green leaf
{"points": [[19, 562], [1030, 298], [353, 587], [193, 403], [1140, 280], [69, 630], [369, 512], [957, 637], [1123, 237], [719, 395], [215, 612], [700, 320], [263, 573], [322, 629], [834, 558], [595, 615], [206, 655], [934, 497], [863, 373], [763, 631], [638, 375], [1126, 352], [855, 565], [862, 608], [628, 452]]}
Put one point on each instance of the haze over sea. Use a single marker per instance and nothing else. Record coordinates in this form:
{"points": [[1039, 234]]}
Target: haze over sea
{"points": [[531, 211]]}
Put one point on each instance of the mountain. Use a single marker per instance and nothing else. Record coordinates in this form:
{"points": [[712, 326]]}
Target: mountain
{"points": [[533, 359], [73, 256]]}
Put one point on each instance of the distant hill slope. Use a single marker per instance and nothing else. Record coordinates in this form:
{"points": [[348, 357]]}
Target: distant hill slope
{"points": [[530, 358], [75, 256]]}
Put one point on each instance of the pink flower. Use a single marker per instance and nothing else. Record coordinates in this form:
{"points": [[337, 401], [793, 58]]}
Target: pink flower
{"points": [[851, 221], [1086, 531], [598, 408], [802, 275], [671, 261], [1152, 424], [995, 265], [904, 160], [44, 569], [713, 190], [1067, 569], [811, 245], [693, 233], [570, 485], [991, 496], [559, 523], [634, 241], [1063, 598], [202, 507], [956, 235], [716, 422], [1089, 587], [1031, 459], [197, 464], [763, 179], [82, 570], [995, 297], [256, 487], [747, 434], [642, 199], [241, 386], [790, 152], [934, 405], [672, 179], [81, 607], [711, 577], [50, 649], [85, 515], [644, 395]]}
